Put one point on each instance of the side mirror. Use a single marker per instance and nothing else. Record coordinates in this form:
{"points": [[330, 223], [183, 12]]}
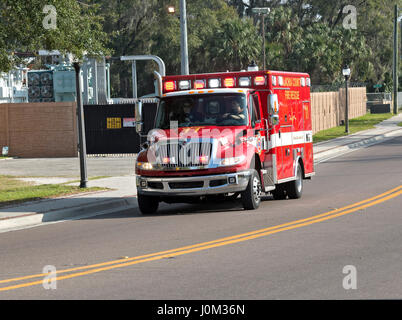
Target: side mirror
{"points": [[158, 84], [138, 116], [273, 104], [275, 119]]}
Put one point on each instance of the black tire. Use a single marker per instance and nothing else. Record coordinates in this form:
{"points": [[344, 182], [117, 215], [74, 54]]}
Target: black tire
{"points": [[279, 193], [147, 204], [294, 189], [251, 197]]}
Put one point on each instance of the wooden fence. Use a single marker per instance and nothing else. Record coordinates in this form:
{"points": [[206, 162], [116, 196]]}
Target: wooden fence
{"points": [[328, 108]]}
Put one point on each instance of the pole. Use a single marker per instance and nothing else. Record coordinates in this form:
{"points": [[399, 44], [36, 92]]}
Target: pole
{"points": [[183, 42], [134, 77], [263, 40], [81, 128], [395, 62], [347, 107]]}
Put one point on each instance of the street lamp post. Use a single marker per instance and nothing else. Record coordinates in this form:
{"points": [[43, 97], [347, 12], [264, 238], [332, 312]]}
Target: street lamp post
{"points": [[262, 12], [395, 60], [183, 35], [346, 74], [81, 127], [183, 42]]}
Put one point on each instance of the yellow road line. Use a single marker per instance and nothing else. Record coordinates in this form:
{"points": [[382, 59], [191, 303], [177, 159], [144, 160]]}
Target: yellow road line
{"points": [[211, 244]]}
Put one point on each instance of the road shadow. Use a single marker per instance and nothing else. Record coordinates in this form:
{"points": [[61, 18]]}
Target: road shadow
{"points": [[174, 209]]}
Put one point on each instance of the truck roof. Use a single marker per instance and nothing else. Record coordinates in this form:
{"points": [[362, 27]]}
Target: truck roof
{"points": [[206, 91], [236, 73]]}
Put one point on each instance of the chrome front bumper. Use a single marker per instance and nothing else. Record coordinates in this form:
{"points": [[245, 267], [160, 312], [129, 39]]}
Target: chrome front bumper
{"points": [[194, 185]]}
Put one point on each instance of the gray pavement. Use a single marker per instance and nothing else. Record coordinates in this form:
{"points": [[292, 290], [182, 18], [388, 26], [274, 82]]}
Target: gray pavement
{"points": [[122, 179], [68, 167], [122, 255]]}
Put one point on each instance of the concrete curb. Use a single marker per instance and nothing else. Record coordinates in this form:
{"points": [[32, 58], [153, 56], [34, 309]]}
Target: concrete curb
{"points": [[39, 218], [327, 154]]}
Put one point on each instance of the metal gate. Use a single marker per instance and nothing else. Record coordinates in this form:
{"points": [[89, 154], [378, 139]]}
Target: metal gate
{"points": [[110, 129]]}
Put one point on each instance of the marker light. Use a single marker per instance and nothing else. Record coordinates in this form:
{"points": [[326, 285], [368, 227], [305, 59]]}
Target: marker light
{"points": [[170, 85], [214, 83], [229, 82], [203, 159], [232, 161], [144, 165], [184, 85], [244, 82], [259, 80], [199, 84]]}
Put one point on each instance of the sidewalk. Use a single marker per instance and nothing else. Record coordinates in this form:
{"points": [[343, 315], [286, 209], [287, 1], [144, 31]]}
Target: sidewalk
{"points": [[384, 130], [123, 183], [122, 196]]}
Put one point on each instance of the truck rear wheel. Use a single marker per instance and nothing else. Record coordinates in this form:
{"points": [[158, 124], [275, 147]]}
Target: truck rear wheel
{"points": [[147, 204], [251, 197], [294, 188]]}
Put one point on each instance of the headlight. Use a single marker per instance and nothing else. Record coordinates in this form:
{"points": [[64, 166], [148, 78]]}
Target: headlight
{"points": [[144, 165], [232, 161]]}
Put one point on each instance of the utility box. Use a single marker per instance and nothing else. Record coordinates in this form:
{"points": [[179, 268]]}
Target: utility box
{"points": [[64, 85], [380, 108], [40, 86]]}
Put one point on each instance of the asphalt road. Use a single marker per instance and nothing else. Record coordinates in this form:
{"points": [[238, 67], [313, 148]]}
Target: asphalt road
{"points": [[317, 247]]}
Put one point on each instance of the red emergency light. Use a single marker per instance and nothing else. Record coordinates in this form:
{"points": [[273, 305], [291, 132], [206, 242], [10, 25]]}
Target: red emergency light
{"points": [[229, 82], [259, 80], [199, 84], [170, 85]]}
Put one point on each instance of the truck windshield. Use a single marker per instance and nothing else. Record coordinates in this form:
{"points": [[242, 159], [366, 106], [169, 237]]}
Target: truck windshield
{"points": [[225, 109]]}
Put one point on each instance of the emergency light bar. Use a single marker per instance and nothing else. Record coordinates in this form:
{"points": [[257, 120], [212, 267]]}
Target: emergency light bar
{"points": [[199, 84], [213, 83], [185, 85], [170, 85], [229, 82], [244, 82]]}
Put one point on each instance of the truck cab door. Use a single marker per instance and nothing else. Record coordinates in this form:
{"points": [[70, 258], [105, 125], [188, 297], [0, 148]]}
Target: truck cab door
{"points": [[272, 139], [261, 135]]}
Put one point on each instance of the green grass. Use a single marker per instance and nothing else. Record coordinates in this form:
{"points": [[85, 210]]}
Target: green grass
{"points": [[13, 191], [365, 122], [400, 124]]}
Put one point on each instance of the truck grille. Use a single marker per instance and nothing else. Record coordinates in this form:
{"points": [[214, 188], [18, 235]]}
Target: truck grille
{"points": [[182, 154]]}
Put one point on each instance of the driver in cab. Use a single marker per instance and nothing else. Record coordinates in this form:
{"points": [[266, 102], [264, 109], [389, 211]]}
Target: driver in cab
{"points": [[237, 112]]}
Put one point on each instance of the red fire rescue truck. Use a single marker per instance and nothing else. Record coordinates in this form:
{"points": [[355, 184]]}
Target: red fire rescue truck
{"points": [[227, 135]]}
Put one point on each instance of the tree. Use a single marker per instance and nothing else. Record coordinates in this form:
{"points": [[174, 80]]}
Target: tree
{"points": [[235, 45], [64, 25]]}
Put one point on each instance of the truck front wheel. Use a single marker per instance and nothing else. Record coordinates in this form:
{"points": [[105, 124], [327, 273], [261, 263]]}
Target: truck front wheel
{"points": [[251, 197], [147, 204]]}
